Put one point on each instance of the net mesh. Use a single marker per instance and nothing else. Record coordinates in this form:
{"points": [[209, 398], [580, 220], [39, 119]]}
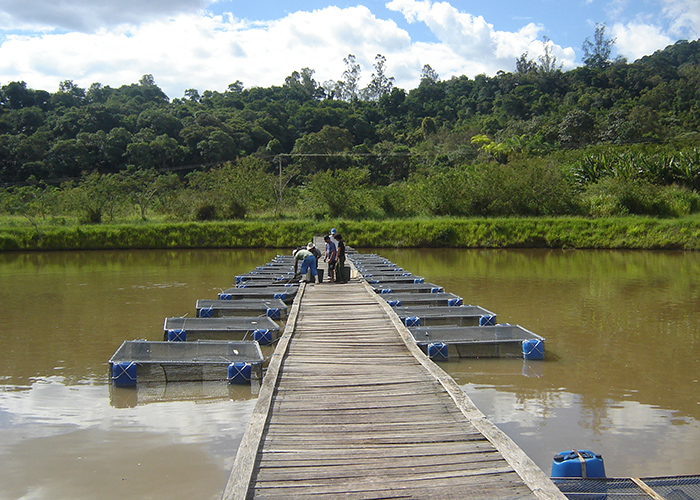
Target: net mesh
{"points": [[670, 488]]}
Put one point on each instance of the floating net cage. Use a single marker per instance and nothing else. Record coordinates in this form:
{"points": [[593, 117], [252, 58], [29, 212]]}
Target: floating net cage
{"points": [[669, 488]]}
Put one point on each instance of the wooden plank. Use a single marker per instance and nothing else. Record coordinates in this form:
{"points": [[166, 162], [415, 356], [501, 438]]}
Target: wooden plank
{"points": [[352, 408]]}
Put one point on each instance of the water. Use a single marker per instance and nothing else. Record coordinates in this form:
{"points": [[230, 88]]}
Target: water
{"points": [[621, 375], [622, 369]]}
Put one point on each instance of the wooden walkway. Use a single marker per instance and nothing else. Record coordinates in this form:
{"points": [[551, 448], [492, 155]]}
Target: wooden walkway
{"points": [[350, 408]]}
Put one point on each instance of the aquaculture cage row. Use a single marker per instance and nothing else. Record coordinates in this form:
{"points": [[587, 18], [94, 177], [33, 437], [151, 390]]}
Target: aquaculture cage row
{"points": [[441, 324], [222, 341]]}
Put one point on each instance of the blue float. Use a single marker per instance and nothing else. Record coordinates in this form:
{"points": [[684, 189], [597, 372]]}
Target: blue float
{"points": [[487, 320], [274, 313], [225, 296], [124, 374], [206, 312], [419, 280], [386, 290], [437, 289], [412, 321], [239, 373], [533, 349], [177, 335], [454, 302], [394, 303], [281, 296], [437, 351], [578, 463], [262, 336]]}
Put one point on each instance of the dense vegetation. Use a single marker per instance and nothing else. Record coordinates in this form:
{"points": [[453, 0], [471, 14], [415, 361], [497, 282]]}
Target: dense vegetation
{"points": [[607, 139]]}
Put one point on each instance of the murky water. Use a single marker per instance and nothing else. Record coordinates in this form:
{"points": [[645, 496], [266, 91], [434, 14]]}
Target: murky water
{"points": [[622, 369], [621, 376]]}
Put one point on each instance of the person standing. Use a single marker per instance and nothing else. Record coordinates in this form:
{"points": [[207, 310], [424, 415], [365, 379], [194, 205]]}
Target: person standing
{"points": [[331, 257], [308, 261], [340, 276]]}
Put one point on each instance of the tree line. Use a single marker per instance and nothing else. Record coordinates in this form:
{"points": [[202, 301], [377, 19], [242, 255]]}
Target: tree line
{"points": [[460, 146]]}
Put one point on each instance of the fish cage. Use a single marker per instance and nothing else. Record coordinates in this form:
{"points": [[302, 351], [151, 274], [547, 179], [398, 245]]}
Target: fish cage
{"points": [[498, 341], [143, 361], [260, 328], [669, 488]]}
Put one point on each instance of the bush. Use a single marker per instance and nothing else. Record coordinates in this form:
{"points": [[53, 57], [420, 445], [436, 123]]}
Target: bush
{"points": [[615, 196]]}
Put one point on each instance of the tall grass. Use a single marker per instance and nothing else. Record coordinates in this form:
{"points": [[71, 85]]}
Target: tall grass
{"points": [[568, 232]]}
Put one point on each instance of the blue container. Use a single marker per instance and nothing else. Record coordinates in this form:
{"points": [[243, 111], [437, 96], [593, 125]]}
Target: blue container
{"points": [[386, 290], [487, 320], [239, 279], [177, 335], [394, 303], [437, 289], [281, 296], [412, 321], [419, 280], [437, 351], [124, 374], [274, 313], [578, 463], [454, 302], [239, 373], [225, 296], [533, 349], [206, 312], [263, 337]]}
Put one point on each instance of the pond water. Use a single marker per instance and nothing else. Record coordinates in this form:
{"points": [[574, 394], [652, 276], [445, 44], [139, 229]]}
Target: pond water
{"points": [[621, 375]]}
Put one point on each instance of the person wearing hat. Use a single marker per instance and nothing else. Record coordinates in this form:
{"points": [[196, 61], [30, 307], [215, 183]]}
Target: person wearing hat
{"points": [[317, 255], [308, 261]]}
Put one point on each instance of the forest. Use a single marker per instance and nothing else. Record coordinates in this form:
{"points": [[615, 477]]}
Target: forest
{"points": [[609, 138]]}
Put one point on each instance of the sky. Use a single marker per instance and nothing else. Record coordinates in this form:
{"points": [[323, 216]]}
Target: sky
{"points": [[209, 44]]}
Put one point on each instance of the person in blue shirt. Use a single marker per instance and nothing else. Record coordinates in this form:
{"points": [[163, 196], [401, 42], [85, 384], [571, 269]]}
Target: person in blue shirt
{"points": [[308, 261]]}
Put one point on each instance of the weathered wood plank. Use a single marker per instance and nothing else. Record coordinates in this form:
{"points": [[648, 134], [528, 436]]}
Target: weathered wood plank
{"points": [[352, 408]]}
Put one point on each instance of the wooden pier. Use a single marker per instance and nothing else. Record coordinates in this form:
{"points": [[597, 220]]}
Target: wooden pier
{"points": [[351, 408]]}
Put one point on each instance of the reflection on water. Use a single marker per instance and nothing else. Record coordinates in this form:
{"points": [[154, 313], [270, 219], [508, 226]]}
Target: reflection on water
{"points": [[621, 375], [622, 369], [64, 433]]}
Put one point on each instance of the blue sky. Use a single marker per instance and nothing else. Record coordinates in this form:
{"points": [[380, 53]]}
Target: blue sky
{"points": [[208, 44]]}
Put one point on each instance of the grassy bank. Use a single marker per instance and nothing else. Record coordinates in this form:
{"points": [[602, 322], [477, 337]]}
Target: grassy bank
{"points": [[628, 232]]}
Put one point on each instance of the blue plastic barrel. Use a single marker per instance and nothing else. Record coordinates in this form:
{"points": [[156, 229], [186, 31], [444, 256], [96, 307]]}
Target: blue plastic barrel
{"points": [[418, 280], [578, 463], [124, 374], [274, 313], [533, 349], [239, 373], [225, 296], [394, 303], [437, 351], [455, 302], [412, 321], [263, 336], [281, 296], [487, 320], [386, 290], [206, 312], [437, 289], [177, 335]]}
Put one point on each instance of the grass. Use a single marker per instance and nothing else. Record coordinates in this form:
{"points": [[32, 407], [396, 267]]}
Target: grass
{"points": [[565, 232]]}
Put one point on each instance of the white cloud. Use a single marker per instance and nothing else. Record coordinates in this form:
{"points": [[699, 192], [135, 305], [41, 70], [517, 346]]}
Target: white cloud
{"points": [[468, 44], [203, 51], [684, 16], [88, 15], [634, 40]]}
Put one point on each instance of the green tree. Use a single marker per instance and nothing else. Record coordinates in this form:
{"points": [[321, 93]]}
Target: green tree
{"points": [[596, 53], [380, 85]]}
